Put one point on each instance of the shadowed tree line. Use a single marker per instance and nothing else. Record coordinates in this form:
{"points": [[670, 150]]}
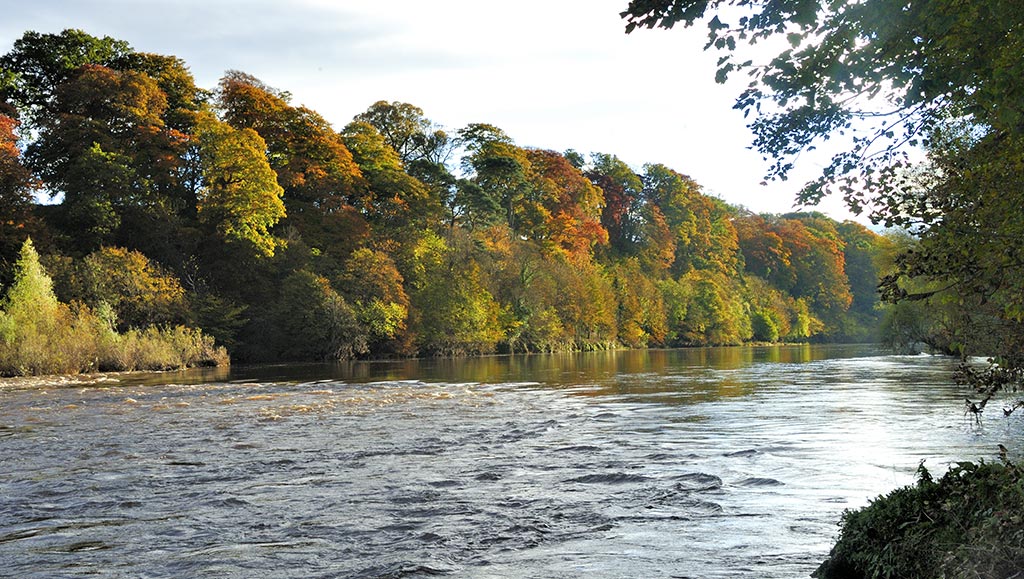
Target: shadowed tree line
{"points": [[236, 212]]}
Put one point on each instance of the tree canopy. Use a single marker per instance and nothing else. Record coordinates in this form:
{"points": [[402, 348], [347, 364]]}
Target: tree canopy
{"points": [[927, 101], [285, 237]]}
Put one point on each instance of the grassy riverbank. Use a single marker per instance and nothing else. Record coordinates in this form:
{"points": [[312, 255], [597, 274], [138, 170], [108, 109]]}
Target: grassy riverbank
{"points": [[967, 524]]}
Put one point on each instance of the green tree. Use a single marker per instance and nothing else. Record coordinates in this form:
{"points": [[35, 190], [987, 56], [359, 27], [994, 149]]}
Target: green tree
{"points": [[311, 321], [140, 292], [38, 334], [453, 313], [412, 136], [40, 63], [400, 200], [373, 285], [887, 71], [104, 147]]}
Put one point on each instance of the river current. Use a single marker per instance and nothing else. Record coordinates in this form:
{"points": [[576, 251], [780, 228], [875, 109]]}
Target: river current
{"points": [[734, 462]]}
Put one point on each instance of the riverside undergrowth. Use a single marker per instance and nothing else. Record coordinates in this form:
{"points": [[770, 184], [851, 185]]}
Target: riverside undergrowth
{"points": [[967, 524]]}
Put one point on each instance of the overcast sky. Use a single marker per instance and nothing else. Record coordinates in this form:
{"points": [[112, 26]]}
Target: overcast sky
{"points": [[553, 74]]}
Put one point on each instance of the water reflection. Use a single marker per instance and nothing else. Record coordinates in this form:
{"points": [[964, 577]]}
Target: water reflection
{"points": [[549, 369], [719, 462]]}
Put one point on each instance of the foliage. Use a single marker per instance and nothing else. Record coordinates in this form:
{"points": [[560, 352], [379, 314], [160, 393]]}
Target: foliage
{"points": [[240, 213], [372, 283], [40, 63], [893, 78], [456, 314], [313, 322], [241, 200], [410, 134], [139, 292], [966, 524], [41, 335], [888, 72], [16, 182]]}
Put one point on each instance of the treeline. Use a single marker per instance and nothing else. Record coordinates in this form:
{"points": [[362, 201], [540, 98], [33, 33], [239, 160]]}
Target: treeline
{"points": [[236, 212]]}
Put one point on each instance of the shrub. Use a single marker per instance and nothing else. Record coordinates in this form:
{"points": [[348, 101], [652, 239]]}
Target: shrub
{"points": [[40, 335], [967, 524]]}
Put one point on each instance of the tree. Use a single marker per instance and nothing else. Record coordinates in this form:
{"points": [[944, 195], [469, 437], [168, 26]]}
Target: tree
{"points": [[408, 132], [104, 147], [38, 334], [453, 313], [16, 183], [241, 199], [140, 292], [326, 195], [310, 320], [888, 71], [502, 171], [399, 200], [571, 204], [372, 284], [704, 236], [39, 63], [888, 75], [623, 201]]}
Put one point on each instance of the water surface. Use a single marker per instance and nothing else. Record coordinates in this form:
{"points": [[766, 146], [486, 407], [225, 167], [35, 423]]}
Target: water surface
{"points": [[732, 462]]}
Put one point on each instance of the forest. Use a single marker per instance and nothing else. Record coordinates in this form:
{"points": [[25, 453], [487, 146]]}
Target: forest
{"points": [[136, 207]]}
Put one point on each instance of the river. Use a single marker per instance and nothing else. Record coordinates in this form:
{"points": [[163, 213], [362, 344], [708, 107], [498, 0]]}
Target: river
{"points": [[732, 462]]}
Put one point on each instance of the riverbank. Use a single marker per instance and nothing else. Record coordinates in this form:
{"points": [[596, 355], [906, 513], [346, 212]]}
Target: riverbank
{"points": [[967, 524]]}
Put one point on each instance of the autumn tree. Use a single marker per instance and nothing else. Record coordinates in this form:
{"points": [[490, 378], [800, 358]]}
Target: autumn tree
{"points": [[704, 237], [139, 292], [399, 200], [16, 182], [40, 63], [570, 203], [621, 213], [887, 76], [373, 285], [325, 193], [105, 149], [241, 200]]}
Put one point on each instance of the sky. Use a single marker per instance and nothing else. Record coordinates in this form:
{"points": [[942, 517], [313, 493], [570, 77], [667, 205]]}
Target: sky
{"points": [[553, 74]]}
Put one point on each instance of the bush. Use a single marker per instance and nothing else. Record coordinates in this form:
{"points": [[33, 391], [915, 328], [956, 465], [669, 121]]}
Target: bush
{"points": [[970, 523], [40, 335]]}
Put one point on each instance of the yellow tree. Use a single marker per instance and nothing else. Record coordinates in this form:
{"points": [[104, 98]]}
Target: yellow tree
{"points": [[241, 199]]}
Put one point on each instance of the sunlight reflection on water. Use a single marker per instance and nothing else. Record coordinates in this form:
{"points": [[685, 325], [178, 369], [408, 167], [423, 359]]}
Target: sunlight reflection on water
{"points": [[728, 462]]}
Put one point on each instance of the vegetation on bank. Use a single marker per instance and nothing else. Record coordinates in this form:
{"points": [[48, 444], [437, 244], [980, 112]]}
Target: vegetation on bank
{"points": [[967, 524], [40, 335], [241, 214]]}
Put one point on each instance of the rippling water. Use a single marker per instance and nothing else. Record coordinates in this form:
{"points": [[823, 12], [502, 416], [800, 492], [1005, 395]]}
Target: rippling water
{"points": [[695, 463]]}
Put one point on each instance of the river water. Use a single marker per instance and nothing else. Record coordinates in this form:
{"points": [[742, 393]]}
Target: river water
{"points": [[732, 462]]}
